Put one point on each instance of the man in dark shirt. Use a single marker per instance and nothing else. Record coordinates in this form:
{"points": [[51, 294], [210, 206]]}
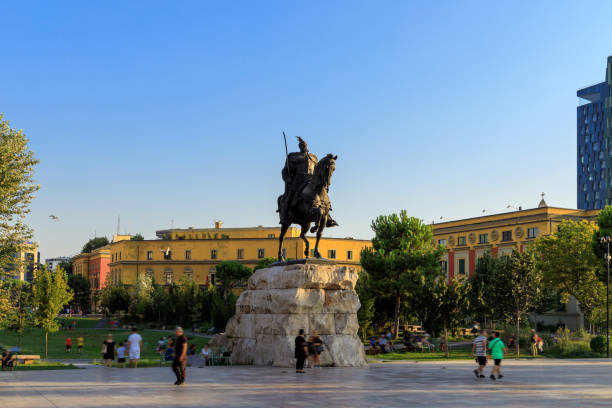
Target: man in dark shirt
{"points": [[180, 356], [301, 352]]}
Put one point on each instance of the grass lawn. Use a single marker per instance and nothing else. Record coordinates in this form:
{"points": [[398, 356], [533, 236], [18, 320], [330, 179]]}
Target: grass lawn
{"points": [[81, 322], [460, 353], [33, 342]]}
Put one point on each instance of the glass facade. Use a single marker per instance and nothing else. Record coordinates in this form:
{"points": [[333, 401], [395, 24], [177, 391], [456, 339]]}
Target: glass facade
{"points": [[594, 144]]}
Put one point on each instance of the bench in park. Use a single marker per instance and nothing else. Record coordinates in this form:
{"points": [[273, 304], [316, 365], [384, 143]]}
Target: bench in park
{"points": [[25, 359]]}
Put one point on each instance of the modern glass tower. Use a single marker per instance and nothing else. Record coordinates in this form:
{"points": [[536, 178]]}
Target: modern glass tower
{"points": [[594, 147]]}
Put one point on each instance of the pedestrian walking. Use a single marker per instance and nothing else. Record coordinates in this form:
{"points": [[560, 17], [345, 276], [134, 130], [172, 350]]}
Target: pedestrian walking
{"points": [[533, 339], [108, 351], [134, 345], [80, 342], [301, 352], [479, 348], [68, 344], [180, 356], [497, 348]]}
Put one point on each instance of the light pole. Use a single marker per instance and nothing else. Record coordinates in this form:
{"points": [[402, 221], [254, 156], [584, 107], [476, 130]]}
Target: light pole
{"points": [[607, 240]]}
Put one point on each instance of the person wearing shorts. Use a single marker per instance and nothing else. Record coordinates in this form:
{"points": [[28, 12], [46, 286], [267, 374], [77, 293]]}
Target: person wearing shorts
{"points": [[479, 348], [68, 344], [497, 348], [80, 342], [121, 355], [134, 346]]}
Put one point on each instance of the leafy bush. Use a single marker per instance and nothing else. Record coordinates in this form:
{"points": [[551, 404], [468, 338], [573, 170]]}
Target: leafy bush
{"points": [[598, 344]]}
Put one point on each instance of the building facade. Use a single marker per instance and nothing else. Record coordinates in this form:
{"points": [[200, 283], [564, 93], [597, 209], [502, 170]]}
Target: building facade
{"points": [[26, 262], [194, 253], [594, 144], [52, 263], [94, 266], [468, 240]]}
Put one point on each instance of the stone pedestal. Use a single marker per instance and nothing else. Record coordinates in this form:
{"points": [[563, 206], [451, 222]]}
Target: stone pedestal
{"points": [[281, 300]]}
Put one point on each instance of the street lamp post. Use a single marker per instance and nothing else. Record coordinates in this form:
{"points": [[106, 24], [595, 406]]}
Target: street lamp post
{"points": [[607, 240]]}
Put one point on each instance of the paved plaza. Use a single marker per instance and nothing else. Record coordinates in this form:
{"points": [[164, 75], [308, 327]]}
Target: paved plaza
{"points": [[558, 383]]}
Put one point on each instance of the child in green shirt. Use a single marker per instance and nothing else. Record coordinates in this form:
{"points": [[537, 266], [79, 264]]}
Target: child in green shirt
{"points": [[497, 348]]}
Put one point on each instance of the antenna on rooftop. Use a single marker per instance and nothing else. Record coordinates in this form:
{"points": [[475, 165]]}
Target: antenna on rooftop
{"points": [[118, 224]]}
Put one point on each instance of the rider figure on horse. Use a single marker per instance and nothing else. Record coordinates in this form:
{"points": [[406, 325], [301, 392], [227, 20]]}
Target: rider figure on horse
{"points": [[296, 174]]}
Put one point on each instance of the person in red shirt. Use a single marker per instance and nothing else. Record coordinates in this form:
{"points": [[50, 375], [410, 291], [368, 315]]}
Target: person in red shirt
{"points": [[68, 344]]}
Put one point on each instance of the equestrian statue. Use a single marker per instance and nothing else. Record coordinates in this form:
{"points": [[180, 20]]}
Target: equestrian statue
{"points": [[305, 200]]}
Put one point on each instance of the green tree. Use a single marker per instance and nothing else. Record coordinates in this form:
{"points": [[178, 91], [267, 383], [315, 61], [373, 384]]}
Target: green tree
{"points": [[137, 237], [401, 247], [81, 290], [518, 287], [94, 243], [230, 274], [50, 294], [482, 287], [19, 315], [569, 264], [67, 266], [365, 314], [264, 263], [17, 190], [115, 298], [450, 301]]}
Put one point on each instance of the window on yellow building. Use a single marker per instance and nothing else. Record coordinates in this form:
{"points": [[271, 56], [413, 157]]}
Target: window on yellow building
{"points": [[261, 253], [211, 274], [188, 254], [349, 254], [213, 254], [442, 242], [240, 253], [462, 266], [149, 255], [119, 255], [168, 276], [331, 254], [149, 274], [188, 273], [461, 241], [532, 232], [443, 266], [271, 235], [168, 254], [483, 238], [506, 235]]}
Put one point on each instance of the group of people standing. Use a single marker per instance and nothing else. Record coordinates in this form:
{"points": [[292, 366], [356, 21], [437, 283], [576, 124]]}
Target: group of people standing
{"points": [[131, 346], [311, 348]]}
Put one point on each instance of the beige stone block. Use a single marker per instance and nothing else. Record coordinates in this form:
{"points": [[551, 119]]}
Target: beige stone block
{"points": [[280, 324], [323, 323], [304, 276], [346, 323]]}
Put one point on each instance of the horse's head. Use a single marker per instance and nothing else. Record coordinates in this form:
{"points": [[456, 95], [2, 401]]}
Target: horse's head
{"points": [[324, 169]]}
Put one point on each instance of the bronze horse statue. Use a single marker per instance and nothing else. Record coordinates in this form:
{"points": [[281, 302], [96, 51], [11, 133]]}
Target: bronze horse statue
{"points": [[311, 205]]}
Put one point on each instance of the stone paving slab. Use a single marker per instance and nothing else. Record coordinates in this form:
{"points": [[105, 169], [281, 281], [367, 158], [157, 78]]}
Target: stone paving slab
{"points": [[535, 383]]}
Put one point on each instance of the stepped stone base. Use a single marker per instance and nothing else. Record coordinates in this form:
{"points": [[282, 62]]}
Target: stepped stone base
{"points": [[283, 299]]}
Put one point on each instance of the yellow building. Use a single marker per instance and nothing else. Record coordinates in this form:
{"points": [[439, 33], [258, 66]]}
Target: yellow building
{"points": [[467, 240], [194, 252], [26, 262]]}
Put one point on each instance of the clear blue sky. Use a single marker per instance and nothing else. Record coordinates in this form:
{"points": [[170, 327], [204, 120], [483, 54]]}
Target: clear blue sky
{"points": [[174, 110]]}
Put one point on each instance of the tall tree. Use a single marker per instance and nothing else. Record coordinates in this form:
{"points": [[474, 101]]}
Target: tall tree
{"points": [[230, 274], [604, 229], [401, 247], [94, 243], [81, 290], [365, 314], [115, 298], [17, 190], [482, 287], [19, 315], [50, 294], [518, 287], [137, 237], [451, 301], [569, 263], [67, 266]]}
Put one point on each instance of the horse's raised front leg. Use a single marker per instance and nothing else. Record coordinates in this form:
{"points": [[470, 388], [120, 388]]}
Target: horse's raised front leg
{"points": [[284, 228]]}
